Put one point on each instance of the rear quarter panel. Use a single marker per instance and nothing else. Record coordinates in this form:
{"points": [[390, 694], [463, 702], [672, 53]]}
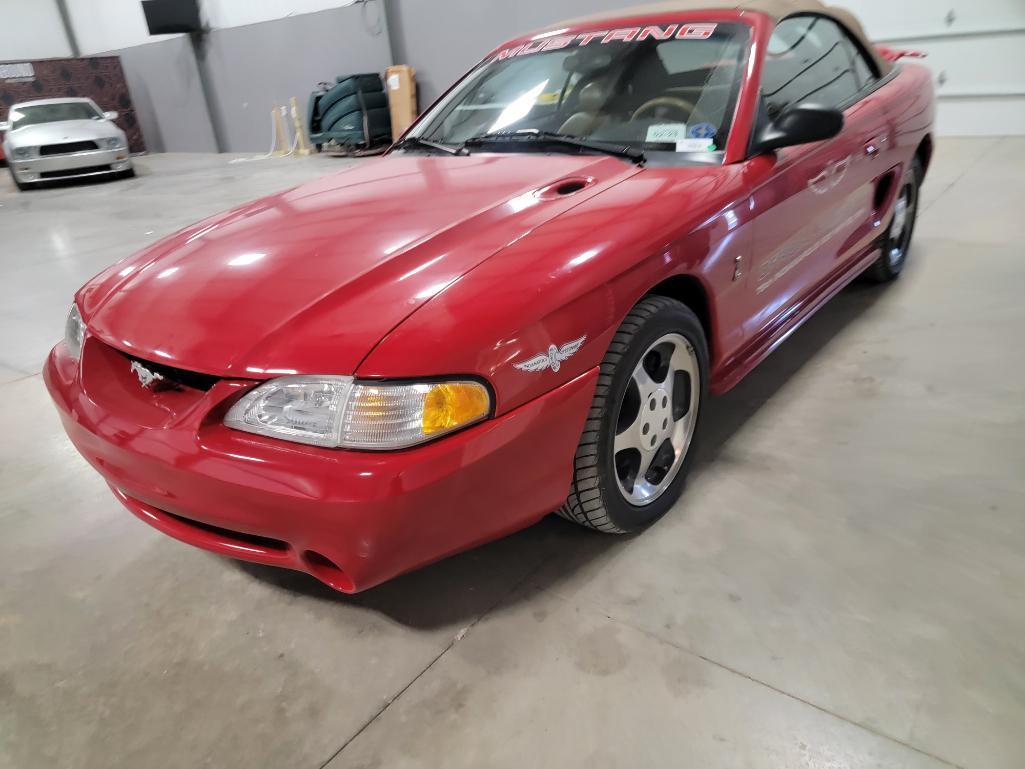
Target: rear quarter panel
{"points": [[911, 104]]}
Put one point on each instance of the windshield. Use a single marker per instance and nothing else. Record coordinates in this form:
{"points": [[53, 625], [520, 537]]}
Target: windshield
{"points": [[668, 89], [34, 114]]}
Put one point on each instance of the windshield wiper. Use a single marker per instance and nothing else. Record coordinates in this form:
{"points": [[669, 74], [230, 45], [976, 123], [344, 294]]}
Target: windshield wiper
{"points": [[532, 135], [415, 142]]}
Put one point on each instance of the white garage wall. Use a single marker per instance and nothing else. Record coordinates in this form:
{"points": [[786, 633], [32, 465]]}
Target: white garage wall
{"points": [[31, 29], [907, 18], [976, 50]]}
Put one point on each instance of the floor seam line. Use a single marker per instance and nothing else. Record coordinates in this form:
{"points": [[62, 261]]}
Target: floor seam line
{"points": [[828, 712], [788, 695], [455, 639], [388, 703], [25, 375], [949, 187]]}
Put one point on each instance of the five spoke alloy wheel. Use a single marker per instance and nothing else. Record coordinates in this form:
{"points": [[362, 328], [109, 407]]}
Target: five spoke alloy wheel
{"points": [[656, 420], [634, 453]]}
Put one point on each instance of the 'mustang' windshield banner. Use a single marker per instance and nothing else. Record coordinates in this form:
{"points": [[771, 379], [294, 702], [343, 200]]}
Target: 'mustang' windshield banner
{"points": [[605, 36]]}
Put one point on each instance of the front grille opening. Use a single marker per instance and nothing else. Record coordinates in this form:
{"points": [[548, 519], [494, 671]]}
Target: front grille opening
{"points": [[67, 148], [177, 376], [252, 540], [74, 172]]}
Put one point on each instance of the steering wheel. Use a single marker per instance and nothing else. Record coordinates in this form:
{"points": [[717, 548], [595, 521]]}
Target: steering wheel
{"points": [[672, 102]]}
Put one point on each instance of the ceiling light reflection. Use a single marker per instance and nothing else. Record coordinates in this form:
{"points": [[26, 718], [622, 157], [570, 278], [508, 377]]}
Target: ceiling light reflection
{"points": [[246, 259]]}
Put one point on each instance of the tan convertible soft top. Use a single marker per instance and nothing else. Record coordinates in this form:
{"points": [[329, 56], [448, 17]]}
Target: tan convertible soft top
{"points": [[777, 9]]}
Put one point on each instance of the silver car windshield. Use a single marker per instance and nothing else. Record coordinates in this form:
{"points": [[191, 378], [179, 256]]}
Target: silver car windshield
{"points": [[34, 114], [669, 89]]}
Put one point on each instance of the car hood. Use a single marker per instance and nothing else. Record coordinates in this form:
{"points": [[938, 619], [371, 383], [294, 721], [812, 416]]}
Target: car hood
{"points": [[64, 131], [311, 279]]}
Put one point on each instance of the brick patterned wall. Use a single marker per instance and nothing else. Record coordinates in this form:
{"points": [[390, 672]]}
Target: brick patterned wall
{"points": [[99, 78]]}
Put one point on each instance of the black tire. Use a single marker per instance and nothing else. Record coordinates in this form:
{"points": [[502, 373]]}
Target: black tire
{"points": [[129, 174], [894, 253], [17, 183], [595, 498]]}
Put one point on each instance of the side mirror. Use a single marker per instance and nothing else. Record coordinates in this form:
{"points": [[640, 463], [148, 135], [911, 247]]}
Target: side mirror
{"points": [[110, 115], [5, 126], [800, 124]]}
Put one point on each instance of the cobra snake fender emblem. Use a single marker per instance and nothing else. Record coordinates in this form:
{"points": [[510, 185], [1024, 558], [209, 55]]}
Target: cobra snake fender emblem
{"points": [[552, 359]]}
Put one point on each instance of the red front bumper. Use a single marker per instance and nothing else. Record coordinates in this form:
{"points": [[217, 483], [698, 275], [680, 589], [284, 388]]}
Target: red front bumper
{"points": [[352, 519]]}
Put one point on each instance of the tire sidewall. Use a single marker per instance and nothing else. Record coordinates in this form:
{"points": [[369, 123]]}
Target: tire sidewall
{"points": [[671, 318]]}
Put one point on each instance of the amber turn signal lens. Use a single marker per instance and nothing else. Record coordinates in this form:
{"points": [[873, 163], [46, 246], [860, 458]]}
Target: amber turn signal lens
{"points": [[338, 412], [453, 404]]}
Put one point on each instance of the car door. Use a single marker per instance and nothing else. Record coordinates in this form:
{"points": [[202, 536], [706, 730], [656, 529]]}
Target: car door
{"points": [[814, 203]]}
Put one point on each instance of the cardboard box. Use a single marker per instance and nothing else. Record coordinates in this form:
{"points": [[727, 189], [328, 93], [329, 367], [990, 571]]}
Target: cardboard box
{"points": [[400, 81]]}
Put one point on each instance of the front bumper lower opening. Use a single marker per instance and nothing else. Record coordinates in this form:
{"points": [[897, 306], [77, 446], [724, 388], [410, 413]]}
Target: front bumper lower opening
{"points": [[237, 544]]}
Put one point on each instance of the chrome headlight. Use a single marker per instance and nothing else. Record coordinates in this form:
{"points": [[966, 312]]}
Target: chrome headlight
{"points": [[25, 152], [110, 143], [74, 332], [339, 412]]}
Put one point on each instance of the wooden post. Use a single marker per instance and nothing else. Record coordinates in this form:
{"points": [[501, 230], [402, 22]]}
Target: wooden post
{"points": [[302, 148]]}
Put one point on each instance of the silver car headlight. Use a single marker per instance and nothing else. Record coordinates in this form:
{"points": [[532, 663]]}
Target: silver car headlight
{"points": [[340, 412], [110, 143], [22, 153], [74, 332]]}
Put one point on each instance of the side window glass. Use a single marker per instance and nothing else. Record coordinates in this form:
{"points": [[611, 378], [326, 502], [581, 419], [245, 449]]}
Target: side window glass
{"points": [[809, 61]]}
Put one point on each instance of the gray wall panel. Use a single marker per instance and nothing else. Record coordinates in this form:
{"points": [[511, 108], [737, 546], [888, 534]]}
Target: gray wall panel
{"points": [[253, 67], [164, 84]]}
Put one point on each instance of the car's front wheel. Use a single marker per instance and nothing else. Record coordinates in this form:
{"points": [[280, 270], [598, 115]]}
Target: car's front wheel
{"points": [[637, 443]]}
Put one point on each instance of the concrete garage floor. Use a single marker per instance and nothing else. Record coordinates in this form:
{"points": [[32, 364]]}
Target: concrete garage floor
{"points": [[841, 587]]}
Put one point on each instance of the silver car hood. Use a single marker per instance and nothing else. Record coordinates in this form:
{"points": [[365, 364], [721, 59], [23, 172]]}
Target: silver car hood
{"points": [[64, 131]]}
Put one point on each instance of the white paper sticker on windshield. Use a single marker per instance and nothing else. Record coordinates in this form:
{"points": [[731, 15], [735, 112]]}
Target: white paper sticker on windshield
{"points": [[668, 133], [695, 145]]}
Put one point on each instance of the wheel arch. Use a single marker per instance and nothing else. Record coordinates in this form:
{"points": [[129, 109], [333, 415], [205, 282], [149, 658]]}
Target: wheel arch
{"points": [[690, 291], [924, 152]]}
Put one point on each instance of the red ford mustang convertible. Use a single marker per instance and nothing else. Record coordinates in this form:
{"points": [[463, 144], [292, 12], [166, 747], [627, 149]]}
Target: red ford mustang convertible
{"points": [[520, 309]]}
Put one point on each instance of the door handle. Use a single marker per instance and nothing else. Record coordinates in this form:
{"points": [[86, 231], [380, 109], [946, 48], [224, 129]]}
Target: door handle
{"points": [[873, 145]]}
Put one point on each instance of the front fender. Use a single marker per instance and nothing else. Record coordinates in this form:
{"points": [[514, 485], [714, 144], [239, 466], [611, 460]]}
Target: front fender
{"points": [[576, 276]]}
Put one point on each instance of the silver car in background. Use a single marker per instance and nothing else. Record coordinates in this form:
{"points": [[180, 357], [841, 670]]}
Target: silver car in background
{"points": [[52, 139]]}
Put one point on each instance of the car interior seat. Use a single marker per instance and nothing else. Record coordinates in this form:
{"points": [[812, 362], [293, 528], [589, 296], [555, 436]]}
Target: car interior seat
{"points": [[591, 115]]}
